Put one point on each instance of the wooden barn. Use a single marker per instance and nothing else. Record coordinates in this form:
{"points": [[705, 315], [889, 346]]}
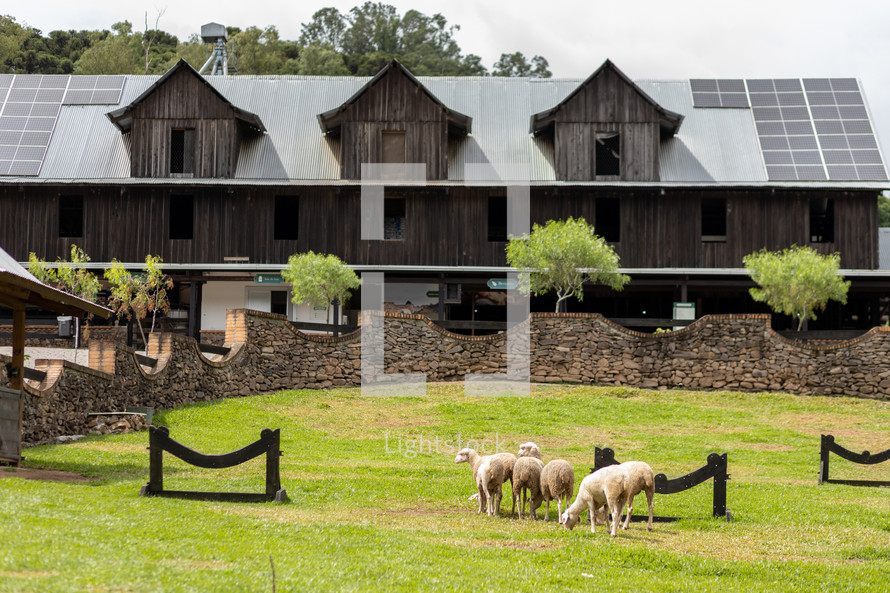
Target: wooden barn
{"points": [[224, 177]]}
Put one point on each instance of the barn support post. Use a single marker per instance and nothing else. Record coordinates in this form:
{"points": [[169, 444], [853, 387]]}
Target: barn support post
{"points": [[16, 380]]}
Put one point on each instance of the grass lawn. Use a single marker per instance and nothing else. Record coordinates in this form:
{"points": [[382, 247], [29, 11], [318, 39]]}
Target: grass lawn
{"points": [[377, 502]]}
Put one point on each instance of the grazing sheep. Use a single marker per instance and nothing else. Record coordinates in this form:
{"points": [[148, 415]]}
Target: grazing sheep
{"points": [[607, 486], [508, 459], [489, 473], [527, 482], [529, 450], [642, 478], [557, 482]]}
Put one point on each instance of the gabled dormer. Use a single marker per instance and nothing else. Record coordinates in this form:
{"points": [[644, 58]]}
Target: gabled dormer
{"points": [[183, 127], [607, 129], [394, 119]]}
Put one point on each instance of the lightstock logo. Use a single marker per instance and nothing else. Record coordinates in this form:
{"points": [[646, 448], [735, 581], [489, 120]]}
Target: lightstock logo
{"points": [[375, 381]]}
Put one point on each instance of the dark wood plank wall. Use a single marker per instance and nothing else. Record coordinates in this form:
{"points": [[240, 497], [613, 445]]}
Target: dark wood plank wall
{"points": [[184, 101], [607, 104], [394, 103], [445, 226]]}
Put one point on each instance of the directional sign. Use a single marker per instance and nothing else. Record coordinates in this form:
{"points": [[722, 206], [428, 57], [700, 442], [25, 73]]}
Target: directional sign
{"points": [[268, 279], [502, 283]]}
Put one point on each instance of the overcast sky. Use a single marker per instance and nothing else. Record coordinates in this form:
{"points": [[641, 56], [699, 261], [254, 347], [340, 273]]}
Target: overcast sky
{"points": [[647, 39]]}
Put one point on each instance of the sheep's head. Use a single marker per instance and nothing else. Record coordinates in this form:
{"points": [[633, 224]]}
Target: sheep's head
{"points": [[569, 520], [463, 456], [529, 450]]}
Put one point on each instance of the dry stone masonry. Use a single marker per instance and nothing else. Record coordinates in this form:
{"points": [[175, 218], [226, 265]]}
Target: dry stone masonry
{"points": [[737, 352]]}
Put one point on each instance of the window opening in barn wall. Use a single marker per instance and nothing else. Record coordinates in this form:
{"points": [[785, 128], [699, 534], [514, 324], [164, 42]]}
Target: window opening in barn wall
{"points": [[713, 220], [393, 218], [182, 151], [608, 154], [393, 146], [821, 220], [286, 218], [182, 217], [497, 218], [278, 302], [608, 219], [70, 216]]}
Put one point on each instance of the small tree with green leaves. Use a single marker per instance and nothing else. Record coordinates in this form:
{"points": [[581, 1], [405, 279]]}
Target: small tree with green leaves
{"points": [[135, 296], [69, 276], [318, 280], [560, 256], [797, 281]]}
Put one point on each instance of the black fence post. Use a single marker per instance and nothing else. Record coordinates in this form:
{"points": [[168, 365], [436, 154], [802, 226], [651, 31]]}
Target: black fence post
{"points": [[155, 460], [720, 479], [823, 457]]}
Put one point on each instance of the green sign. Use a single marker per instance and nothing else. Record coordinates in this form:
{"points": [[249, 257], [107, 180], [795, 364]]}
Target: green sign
{"points": [[268, 279], [433, 294], [502, 283]]}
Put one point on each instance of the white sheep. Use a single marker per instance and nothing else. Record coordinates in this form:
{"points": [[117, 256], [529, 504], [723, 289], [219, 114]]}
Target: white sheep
{"points": [[557, 482], [527, 482], [489, 473], [642, 478], [509, 460], [607, 486], [529, 449]]}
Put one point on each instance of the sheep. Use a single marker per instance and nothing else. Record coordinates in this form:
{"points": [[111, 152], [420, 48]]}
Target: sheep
{"points": [[608, 486], [489, 473], [529, 450], [642, 478], [509, 460], [557, 478], [527, 482], [557, 482]]}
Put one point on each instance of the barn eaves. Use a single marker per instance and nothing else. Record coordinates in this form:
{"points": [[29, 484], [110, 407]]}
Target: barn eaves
{"points": [[458, 123], [123, 117]]}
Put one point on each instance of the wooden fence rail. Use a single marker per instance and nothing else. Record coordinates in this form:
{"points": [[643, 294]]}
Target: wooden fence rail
{"points": [[715, 468], [269, 443], [865, 458]]}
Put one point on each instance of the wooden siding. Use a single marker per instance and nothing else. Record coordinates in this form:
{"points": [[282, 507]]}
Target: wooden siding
{"points": [[575, 150], [444, 226], [394, 103], [607, 103], [184, 101]]}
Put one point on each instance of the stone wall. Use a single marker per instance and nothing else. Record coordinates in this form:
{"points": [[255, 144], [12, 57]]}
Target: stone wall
{"points": [[738, 352]]}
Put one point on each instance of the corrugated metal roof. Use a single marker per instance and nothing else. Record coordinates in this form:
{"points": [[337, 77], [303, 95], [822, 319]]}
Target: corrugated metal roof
{"points": [[712, 147]]}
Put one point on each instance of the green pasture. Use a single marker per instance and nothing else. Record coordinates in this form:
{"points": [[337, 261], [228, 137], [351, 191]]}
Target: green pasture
{"points": [[378, 504]]}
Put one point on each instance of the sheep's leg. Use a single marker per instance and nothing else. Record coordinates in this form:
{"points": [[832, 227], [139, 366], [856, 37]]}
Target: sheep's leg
{"points": [[616, 506], [481, 498], [513, 510], [650, 494], [498, 496], [630, 511], [591, 512]]}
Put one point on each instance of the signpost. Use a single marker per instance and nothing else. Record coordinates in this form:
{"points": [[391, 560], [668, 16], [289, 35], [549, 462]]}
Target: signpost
{"points": [[269, 279], [502, 283]]}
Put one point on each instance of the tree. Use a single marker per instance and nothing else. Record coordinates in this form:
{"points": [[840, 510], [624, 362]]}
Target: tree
{"points": [[516, 64], [561, 256], [326, 29], [134, 296], [257, 51], [321, 60], [318, 280], [883, 210], [117, 53], [68, 276], [797, 281]]}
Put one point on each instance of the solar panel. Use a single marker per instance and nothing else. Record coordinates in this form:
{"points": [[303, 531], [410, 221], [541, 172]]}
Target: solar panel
{"points": [[28, 116], [786, 113], [728, 93], [94, 90]]}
